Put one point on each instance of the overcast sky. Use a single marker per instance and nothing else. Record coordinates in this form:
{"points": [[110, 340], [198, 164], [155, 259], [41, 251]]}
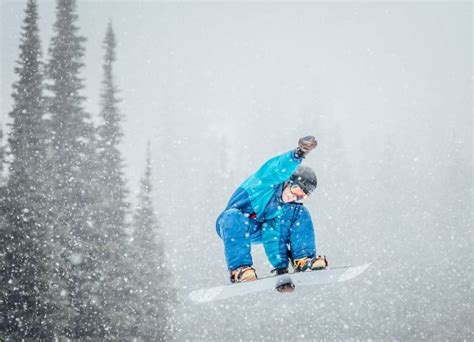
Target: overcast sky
{"points": [[373, 67]]}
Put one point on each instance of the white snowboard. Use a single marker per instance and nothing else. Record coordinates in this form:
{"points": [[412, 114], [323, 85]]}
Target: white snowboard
{"points": [[326, 276]]}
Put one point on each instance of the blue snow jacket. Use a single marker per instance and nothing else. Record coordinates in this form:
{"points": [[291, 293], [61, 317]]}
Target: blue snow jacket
{"points": [[255, 193], [259, 197]]}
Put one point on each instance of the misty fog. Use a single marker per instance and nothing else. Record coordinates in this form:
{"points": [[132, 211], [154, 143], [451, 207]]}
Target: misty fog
{"points": [[218, 88]]}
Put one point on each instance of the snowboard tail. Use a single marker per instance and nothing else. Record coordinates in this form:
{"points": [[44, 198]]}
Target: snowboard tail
{"points": [[325, 276]]}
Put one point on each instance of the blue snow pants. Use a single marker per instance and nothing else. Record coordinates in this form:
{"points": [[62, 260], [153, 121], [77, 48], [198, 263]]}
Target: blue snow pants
{"points": [[293, 229]]}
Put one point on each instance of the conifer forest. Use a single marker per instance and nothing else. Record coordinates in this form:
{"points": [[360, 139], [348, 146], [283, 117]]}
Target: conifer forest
{"points": [[126, 126]]}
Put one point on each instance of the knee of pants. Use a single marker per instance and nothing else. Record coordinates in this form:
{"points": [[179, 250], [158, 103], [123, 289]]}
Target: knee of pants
{"points": [[230, 218], [296, 215], [303, 216]]}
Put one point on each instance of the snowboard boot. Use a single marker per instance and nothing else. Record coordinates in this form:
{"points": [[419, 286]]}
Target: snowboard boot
{"points": [[311, 264], [243, 274]]}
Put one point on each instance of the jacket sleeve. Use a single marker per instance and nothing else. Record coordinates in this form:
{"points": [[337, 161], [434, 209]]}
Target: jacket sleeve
{"points": [[260, 186], [276, 170]]}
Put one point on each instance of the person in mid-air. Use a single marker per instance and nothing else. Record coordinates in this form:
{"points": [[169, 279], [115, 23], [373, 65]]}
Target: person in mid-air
{"points": [[265, 208]]}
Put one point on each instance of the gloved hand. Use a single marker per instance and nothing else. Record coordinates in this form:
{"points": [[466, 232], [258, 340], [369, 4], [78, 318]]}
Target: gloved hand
{"points": [[305, 145], [286, 288]]}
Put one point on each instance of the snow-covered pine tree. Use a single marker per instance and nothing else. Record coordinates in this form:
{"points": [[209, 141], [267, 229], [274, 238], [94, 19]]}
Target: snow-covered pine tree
{"points": [[2, 153], [3, 264], [152, 277], [26, 310], [70, 190], [110, 135], [112, 209]]}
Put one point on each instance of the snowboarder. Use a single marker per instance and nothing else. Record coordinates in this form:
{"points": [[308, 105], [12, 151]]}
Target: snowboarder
{"points": [[265, 208]]}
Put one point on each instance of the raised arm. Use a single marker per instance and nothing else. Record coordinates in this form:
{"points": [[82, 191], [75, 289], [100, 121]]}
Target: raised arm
{"points": [[278, 169]]}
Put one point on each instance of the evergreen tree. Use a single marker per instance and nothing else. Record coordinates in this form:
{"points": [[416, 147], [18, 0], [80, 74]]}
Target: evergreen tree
{"points": [[155, 293], [70, 191], [111, 211], [2, 153], [110, 135], [26, 310], [3, 229]]}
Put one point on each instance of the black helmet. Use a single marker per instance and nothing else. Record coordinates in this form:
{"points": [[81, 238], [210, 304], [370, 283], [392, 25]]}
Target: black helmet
{"points": [[305, 178]]}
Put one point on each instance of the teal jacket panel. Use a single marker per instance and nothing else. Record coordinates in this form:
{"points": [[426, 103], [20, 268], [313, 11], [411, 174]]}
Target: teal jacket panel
{"points": [[262, 185]]}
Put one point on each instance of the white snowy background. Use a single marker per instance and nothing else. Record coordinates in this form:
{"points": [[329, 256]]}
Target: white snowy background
{"points": [[219, 87]]}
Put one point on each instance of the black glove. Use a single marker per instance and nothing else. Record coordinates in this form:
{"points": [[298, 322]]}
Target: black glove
{"points": [[305, 145], [286, 288]]}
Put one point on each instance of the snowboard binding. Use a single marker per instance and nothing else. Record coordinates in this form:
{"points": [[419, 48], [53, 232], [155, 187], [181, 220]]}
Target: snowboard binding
{"points": [[310, 264], [243, 274]]}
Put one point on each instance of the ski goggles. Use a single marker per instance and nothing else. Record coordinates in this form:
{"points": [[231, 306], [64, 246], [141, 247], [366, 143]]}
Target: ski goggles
{"points": [[297, 192]]}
